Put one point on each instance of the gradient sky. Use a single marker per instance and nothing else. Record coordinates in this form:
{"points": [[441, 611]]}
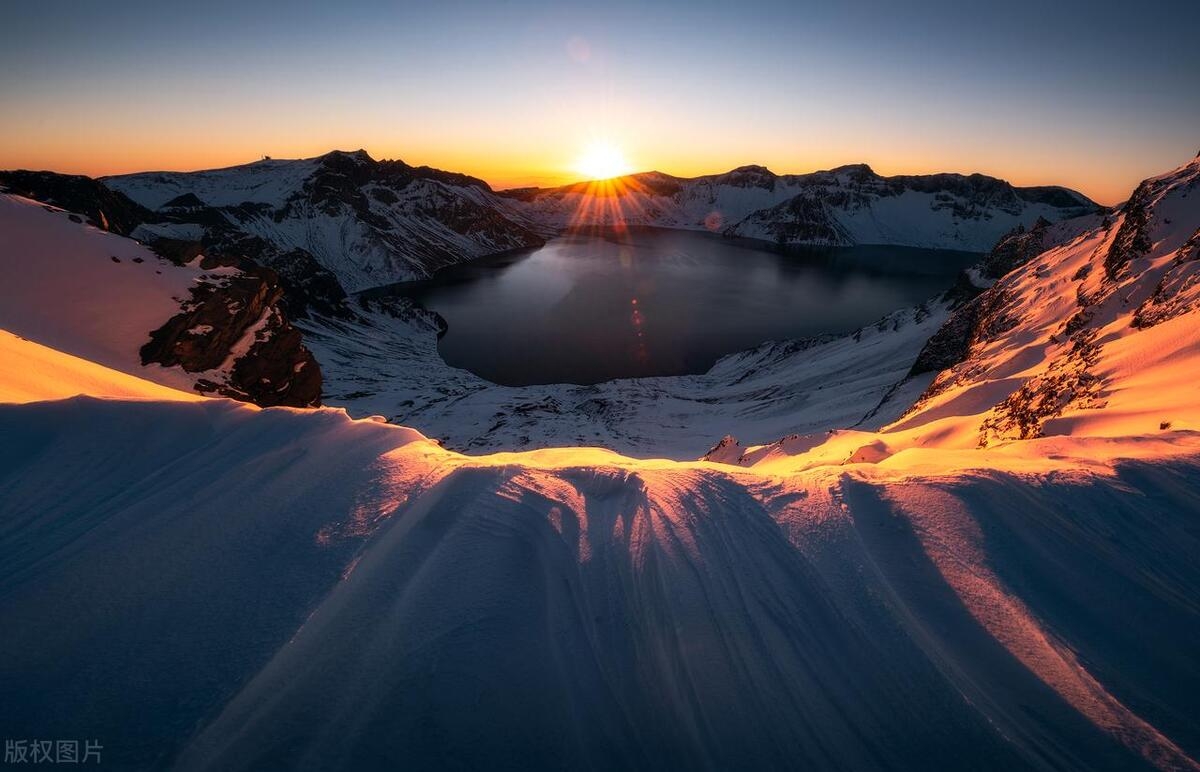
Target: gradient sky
{"points": [[1093, 95]]}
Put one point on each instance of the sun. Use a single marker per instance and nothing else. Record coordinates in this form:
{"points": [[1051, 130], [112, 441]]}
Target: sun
{"points": [[602, 160]]}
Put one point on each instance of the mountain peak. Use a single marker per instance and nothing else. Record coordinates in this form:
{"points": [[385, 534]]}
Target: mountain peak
{"points": [[752, 169], [358, 156], [859, 169]]}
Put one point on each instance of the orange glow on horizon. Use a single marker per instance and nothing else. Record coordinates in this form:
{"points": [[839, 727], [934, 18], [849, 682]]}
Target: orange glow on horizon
{"points": [[602, 160], [104, 155]]}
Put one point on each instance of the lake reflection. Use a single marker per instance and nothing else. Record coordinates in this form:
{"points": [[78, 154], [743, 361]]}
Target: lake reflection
{"points": [[584, 309]]}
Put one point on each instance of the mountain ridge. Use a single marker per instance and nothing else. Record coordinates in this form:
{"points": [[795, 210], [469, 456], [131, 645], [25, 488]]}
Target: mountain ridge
{"points": [[371, 223]]}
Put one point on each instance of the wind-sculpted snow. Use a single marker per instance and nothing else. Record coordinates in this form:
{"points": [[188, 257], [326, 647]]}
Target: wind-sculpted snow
{"points": [[225, 587]]}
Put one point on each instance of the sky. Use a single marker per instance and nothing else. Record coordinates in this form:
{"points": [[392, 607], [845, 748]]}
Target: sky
{"points": [[1094, 95]]}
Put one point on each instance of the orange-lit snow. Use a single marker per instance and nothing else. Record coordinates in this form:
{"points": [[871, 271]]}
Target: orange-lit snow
{"points": [[33, 372]]}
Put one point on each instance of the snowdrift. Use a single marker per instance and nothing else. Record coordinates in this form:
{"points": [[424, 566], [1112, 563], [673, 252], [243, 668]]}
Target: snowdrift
{"points": [[209, 585]]}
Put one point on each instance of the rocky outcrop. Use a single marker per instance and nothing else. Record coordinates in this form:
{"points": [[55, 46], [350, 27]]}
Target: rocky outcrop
{"points": [[1015, 249], [233, 333], [104, 208], [1132, 239], [1068, 381], [1177, 291], [308, 287], [234, 329], [803, 219], [979, 312], [987, 315]]}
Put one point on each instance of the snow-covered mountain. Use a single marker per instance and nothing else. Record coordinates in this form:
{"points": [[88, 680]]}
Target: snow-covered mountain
{"points": [[1002, 576], [843, 206], [346, 222], [367, 222]]}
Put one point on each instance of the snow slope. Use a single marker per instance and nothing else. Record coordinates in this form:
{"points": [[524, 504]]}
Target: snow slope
{"points": [[223, 587], [93, 294], [1096, 336], [34, 372], [85, 291]]}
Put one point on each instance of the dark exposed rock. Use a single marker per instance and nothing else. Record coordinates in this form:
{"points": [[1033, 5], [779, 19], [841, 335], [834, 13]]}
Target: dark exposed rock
{"points": [[185, 201], [1176, 291], [981, 318], [748, 177], [1132, 239], [307, 285], [1014, 250], [1070, 381], [104, 208], [276, 369], [801, 219], [178, 251]]}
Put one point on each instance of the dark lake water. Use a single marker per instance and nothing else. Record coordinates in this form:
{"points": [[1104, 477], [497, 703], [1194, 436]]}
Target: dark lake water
{"points": [[584, 309]]}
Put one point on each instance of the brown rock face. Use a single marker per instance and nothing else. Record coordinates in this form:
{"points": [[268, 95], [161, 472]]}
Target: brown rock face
{"points": [[234, 327]]}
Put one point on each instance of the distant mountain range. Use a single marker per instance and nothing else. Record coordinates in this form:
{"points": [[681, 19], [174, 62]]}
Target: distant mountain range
{"points": [[844, 206], [344, 222], [283, 241]]}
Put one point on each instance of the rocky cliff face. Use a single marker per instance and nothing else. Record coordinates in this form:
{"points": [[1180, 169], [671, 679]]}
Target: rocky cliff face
{"points": [[233, 332], [981, 310]]}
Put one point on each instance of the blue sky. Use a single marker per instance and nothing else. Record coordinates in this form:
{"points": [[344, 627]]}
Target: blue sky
{"points": [[1092, 95]]}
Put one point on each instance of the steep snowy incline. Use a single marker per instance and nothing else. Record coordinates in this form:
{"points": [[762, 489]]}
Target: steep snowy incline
{"points": [[1098, 335], [843, 206], [369, 222], [112, 301], [84, 291], [223, 587]]}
